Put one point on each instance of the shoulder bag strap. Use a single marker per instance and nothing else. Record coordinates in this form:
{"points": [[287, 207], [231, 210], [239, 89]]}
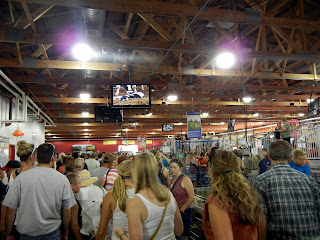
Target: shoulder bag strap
{"points": [[164, 212], [107, 177], [176, 181]]}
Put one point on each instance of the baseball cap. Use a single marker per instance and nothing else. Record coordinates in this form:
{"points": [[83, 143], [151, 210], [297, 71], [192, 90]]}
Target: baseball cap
{"points": [[11, 164]]}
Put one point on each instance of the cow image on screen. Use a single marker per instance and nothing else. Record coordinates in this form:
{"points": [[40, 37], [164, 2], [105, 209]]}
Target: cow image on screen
{"points": [[131, 92]]}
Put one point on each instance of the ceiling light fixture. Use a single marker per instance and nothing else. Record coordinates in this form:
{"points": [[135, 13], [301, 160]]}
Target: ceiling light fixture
{"points": [[82, 52], [247, 99], [172, 98], [84, 96], [225, 60], [85, 124], [309, 100], [301, 114], [86, 129], [180, 123], [149, 114], [49, 134], [126, 129], [205, 114], [255, 114], [153, 133], [222, 123], [85, 114]]}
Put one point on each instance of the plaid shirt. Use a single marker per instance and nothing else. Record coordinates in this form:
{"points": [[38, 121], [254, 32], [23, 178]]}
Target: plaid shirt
{"points": [[291, 202]]}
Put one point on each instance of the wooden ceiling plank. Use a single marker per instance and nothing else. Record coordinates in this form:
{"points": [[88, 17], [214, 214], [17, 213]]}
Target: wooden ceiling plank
{"points": [[37, 14], [256, 49], [163, 8], [126, 28], [163, 33], [291, 43], [11, 11], [55, 64], [39, 52], [19, 53], [28, 15]]}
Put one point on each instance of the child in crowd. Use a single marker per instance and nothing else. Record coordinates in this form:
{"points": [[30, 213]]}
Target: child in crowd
{"points": [[76, 219]]}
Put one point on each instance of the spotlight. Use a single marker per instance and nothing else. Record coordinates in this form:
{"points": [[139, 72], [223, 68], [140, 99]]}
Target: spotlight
{"points": [[309, 100], [172, 98], [205, 114], [301, 114], [247, 99], [255, 114], [85, 114], [84, 96], [82, 52], [225, 60]]}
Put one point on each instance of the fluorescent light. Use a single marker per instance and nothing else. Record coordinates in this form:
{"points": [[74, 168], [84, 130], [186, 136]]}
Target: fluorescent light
{"points": [[82, 52], [85, 114], [225, 60], [85, 124], [149, 115], [247, 99], [84, 96], [205, 114], [172, 98], [255, 114], [310, 100], [301, 114]]}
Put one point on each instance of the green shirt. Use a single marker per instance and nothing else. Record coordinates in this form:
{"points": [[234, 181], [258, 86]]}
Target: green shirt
{"points": [[286, 134], [181, 156]]}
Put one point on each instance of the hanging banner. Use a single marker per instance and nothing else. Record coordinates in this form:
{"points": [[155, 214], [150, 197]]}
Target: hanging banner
{"points": [[194, 124]]}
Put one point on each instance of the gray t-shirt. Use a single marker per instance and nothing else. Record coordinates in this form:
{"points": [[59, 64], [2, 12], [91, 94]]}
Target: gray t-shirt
{"points": [[99, 173], [39, 195]]}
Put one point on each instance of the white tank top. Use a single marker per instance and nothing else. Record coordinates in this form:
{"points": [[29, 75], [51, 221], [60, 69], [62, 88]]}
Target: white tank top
{"points": [[119, 218], [154, 217]]}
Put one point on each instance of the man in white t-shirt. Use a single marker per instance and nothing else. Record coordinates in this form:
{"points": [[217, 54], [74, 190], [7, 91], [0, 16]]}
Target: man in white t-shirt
{"points": [[92, 163], [40, 199]]}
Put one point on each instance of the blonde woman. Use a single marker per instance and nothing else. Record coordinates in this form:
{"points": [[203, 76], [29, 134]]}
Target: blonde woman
{"points": [[79, 164], [153, 212], [233, 210], [114, 203]]}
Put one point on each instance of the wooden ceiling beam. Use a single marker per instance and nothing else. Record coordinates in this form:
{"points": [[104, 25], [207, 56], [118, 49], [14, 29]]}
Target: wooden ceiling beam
{"points": [[169, 9], [55, 64], [159, 102]]}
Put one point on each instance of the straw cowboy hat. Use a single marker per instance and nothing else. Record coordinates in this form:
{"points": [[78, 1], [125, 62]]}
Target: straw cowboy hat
{"points": [[86, 180]]}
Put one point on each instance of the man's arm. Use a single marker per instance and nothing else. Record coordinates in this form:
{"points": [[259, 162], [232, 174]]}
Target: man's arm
{"points": [[66, 218], [11, 216]]}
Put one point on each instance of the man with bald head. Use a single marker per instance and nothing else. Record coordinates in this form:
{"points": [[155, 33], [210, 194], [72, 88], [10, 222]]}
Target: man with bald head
{"points": [[290, 199]]}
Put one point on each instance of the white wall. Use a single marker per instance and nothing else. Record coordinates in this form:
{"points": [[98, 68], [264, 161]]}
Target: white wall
{"points": [[34, 132]]}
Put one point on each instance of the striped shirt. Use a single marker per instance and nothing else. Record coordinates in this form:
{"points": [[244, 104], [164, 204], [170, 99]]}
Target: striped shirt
{"points": [[291, 202], [110, 176]]}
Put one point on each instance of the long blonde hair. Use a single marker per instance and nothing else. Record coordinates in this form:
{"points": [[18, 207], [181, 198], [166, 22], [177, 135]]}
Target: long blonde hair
{"points": [[119, 187], [145, 172], [231, 189]]}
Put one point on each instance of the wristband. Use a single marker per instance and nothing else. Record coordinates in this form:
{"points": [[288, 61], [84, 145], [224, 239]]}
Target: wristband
{"points": [[122, 234]]}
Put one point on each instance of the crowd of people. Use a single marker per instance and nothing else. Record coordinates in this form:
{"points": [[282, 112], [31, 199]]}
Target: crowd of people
{"points": [[148, 196]]}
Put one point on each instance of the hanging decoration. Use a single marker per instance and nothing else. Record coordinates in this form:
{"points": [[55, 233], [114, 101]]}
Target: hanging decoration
{"points": [[18, 133]]}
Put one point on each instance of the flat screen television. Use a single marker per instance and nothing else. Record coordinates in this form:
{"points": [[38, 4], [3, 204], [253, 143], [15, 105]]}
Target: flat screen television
{"points": [[231, 124], [313, 108], [167, 127], [130, 96], [107, 114]]}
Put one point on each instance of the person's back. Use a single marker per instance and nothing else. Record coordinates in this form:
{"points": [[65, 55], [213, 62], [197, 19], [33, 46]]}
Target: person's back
{"points": [[99, 173], [92, 165], [154, 214], [290, 199], [43, 193]]}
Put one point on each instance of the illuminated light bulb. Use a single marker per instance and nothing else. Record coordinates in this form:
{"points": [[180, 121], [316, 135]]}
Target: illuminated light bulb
{"points": [[84, 96], [82, 52], [172, 98], [225, 60], [247, 99]]}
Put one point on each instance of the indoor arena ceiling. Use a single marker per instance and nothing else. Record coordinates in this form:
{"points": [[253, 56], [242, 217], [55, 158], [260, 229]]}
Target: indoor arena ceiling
{"points": [[171, 44]]}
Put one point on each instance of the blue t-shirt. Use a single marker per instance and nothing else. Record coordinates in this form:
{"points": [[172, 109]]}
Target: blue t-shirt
{"points": [[305, 169], [165, 163], [264, 164]]}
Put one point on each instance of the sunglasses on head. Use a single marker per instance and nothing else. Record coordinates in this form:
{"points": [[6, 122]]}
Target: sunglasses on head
{"points": [[54, 148]]}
